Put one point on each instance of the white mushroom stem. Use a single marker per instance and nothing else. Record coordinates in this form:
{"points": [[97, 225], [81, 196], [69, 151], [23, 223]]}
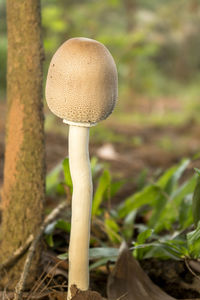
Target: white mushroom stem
{"points": [[81, 207]]}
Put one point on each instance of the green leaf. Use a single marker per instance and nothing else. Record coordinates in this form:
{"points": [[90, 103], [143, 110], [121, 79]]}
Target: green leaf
{"points": [[175, 249], [185, 212], [63, 225], [172, 210], [67, 174], [185, 189], [115, 187], [112, 230], [193, 241], [128, 225], [102, 187], [197, 171], [146, 196], [103, 252], [144, 235], [141, 239], [95, 165], [53, 180], [107, 253], [49, 240], [170, 179], [196, 202], [60, 224], [102, 262], [63, 256], [172, 175]]}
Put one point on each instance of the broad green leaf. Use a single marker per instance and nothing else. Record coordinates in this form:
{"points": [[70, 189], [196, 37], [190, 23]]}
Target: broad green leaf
{"points": [[102, 262], [103, 252], [67, 174], [53, 180], [171, 180], [193, 241], [63, 256], [141, 239], [49, 240], [97, 253], [102, 255], [144, 235], [185, 189], [197, 171], [172, 211], [102, 187], [172, 175], [62, 224], [115, 187], [112, 230], [146, 196], [175, 249], [128, 225], [163, 251], [196, 202], [95, 165], [141, 180], [185, 212], [155, 195]]}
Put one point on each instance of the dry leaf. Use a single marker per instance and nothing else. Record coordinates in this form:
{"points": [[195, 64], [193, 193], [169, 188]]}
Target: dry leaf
{"points": [[128, 281]]}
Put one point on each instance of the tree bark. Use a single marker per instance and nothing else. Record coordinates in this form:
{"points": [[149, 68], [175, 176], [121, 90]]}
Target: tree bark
{"points": [[24, 170]]}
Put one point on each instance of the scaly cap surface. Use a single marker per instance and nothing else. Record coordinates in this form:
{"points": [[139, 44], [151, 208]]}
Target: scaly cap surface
{"points": [[82, 82]]}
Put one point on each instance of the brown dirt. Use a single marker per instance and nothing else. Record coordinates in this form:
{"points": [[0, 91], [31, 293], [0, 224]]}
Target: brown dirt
{"points": [[173, 277]]}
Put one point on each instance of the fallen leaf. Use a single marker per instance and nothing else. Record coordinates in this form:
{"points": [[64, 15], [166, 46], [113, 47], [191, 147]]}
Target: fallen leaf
{"points": [[128, 281]]}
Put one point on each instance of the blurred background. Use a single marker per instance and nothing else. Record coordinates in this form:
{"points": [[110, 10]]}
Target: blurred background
{"points": [[156, 47]]}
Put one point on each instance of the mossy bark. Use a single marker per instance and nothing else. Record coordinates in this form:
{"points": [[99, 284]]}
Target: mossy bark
{"points": [[24, 170]]}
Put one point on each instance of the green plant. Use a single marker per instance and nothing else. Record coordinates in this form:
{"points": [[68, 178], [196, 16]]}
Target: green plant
{"points": [[169, 206]]}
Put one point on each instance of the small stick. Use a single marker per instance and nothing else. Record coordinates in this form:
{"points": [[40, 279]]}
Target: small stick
{"points": [[20, 285], [190, 269], [13, 258], [51, 278]]}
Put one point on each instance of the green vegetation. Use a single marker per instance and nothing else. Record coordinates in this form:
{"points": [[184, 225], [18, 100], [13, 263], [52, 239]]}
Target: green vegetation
{"points": [[167, 209]]}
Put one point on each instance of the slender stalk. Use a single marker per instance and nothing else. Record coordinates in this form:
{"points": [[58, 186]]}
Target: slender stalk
{"points": [[81, 207]]}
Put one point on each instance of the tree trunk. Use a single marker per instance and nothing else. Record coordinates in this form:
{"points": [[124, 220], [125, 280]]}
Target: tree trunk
{"points": [[24, 170]]}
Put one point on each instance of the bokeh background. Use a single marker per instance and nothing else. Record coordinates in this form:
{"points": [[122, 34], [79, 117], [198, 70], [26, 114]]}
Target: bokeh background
{"points": [[156, 46]]}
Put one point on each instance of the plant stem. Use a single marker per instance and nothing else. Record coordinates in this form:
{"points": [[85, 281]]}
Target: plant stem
{"points": [[81, 207]]}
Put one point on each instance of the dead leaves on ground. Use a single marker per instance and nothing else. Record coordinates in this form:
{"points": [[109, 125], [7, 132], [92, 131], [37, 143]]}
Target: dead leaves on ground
{"points": [[127, 281]]}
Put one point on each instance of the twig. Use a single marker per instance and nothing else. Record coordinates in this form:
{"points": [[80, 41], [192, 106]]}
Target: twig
{"points": [[41, 282], [35, 286], [191, 271], [122, 296], [10, 295], [13, 258], [20, 285]]}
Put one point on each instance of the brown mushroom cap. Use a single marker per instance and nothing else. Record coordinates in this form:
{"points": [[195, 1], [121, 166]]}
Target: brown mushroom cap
{"points": [[81, 83]]}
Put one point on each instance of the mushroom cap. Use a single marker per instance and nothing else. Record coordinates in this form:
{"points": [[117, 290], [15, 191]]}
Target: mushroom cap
{"points": [[81, 84]]}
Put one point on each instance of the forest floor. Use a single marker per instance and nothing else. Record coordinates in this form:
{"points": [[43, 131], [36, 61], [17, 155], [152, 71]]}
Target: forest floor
{"points": [[142, 138], [148, 141]]}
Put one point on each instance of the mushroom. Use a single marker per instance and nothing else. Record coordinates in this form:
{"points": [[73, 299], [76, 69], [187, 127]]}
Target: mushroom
{"points": [[81, 89]]}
